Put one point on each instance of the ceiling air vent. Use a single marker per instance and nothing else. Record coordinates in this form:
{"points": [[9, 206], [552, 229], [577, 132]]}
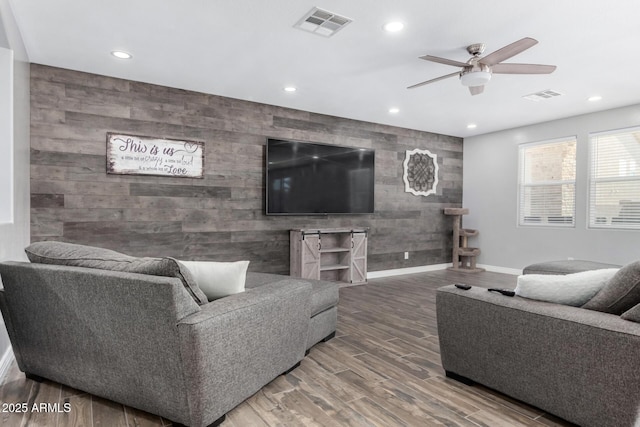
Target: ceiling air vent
{"points": [[322, 22], [541, 96]]}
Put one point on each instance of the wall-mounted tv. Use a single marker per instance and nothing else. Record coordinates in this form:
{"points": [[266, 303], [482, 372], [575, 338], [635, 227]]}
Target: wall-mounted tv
{"points": [[313, 179]]}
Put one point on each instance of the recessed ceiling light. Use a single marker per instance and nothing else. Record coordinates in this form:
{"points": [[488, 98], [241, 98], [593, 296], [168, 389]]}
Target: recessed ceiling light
{"points": [[595, 98], [290, 89], [472, 126], [121, 54], [393, 27], [394, 110]]}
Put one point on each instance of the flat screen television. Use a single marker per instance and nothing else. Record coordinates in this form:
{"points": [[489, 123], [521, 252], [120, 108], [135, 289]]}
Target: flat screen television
{"points": [[313, 179]]}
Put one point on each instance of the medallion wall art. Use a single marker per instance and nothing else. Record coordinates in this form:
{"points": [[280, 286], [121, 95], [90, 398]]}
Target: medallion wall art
{"points": [[420, 172]]}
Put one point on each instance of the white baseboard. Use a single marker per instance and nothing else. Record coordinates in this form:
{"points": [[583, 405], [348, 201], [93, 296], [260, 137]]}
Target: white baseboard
{"points": [[408, 270], [5, 363], [435, 267]]}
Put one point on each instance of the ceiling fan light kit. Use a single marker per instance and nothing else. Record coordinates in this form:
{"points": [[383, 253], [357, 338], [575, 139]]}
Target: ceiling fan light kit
{"points": [[475, 78], [477, 71]]}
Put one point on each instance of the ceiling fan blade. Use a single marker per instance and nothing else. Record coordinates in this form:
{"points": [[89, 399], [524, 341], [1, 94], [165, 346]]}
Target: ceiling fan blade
{"points": [[476, 90], [508, 51], [444, 61], [522, 69], [433, 80]]}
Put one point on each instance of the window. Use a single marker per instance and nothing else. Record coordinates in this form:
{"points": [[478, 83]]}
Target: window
{"points": [[614, 184], [547, 187]]}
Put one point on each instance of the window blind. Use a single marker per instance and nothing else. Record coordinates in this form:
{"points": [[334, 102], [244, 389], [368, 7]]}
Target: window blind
{"points": [[547, 183], [614, 184]]}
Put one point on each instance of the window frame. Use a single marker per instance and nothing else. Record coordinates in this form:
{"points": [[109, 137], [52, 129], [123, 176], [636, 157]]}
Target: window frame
{"points": [[520, 222], [592, 180]]}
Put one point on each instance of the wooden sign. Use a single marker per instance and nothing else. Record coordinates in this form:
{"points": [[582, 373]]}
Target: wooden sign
{"points": [[143, 155]]}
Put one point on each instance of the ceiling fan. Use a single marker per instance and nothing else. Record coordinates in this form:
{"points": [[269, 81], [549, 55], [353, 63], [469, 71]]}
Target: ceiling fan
{"points": [[477, 71]]}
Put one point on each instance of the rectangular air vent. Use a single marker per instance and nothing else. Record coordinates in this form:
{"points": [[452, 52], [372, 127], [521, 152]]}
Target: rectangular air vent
{"points": [[542, 95], [322, 22]]}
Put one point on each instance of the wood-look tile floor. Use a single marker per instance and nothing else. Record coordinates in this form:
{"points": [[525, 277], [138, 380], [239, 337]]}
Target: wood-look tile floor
{"points": [[382, 369]]}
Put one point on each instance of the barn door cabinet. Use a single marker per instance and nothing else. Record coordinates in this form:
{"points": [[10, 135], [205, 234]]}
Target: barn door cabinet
{"points": [[337, 254]]}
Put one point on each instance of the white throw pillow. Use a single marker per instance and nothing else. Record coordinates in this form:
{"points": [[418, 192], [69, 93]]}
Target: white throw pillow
{"points": [[571, 289], [218, 279]]}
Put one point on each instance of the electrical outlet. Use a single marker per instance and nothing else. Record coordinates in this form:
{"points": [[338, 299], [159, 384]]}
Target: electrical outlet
{"points": [[406, 255]]}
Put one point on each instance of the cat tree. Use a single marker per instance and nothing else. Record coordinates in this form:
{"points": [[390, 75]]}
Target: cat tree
{"points": [[463, 257]]}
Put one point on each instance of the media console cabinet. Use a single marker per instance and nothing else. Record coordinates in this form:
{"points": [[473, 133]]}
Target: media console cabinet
{"points": [[336, 254]]}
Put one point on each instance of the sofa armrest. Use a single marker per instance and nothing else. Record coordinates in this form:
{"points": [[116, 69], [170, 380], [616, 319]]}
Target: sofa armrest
{"points": [[578, 364], [235, 345]]}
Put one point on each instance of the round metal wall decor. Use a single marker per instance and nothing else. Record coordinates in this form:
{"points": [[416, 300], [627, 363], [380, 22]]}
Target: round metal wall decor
{"points": [[420, 172]]}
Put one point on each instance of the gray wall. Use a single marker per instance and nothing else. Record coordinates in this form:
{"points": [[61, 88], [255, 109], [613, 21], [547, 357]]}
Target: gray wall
{"points": [[222, 216], [490, 192], [14, 128]]}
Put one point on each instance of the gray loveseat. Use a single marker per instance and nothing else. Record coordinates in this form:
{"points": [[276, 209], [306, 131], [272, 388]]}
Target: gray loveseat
{"points": [[144, 341], [578, 364]]}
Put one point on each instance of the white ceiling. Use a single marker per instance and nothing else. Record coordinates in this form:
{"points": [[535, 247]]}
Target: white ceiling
{"points": [[248, 49]]}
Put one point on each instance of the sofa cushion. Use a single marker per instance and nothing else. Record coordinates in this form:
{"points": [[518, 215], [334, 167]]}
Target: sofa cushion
{"points": [[621, 293], [633, 314], [218, 279], [565, 267], [570, 289], [324, 294], [62, 253]]}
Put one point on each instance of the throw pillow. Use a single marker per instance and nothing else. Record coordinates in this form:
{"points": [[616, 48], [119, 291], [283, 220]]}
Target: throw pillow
{"points": [[570, 289], [218, 279], [621, 293], [633, 314], [71, 254]]}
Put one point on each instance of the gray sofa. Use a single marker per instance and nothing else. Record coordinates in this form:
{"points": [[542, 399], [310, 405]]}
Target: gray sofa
{"points": [[142, 340], [578, 364]]}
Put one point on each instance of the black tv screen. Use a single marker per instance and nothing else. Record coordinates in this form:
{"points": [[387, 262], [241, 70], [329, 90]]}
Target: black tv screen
{"points": [[309, 178]]}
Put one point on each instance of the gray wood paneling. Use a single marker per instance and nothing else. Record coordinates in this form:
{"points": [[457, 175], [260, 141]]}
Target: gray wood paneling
{"points": [[220, 217], [46, 200]]}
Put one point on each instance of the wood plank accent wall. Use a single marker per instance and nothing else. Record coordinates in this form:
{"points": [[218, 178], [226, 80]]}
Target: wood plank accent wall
{"points": [[220, 217]]}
